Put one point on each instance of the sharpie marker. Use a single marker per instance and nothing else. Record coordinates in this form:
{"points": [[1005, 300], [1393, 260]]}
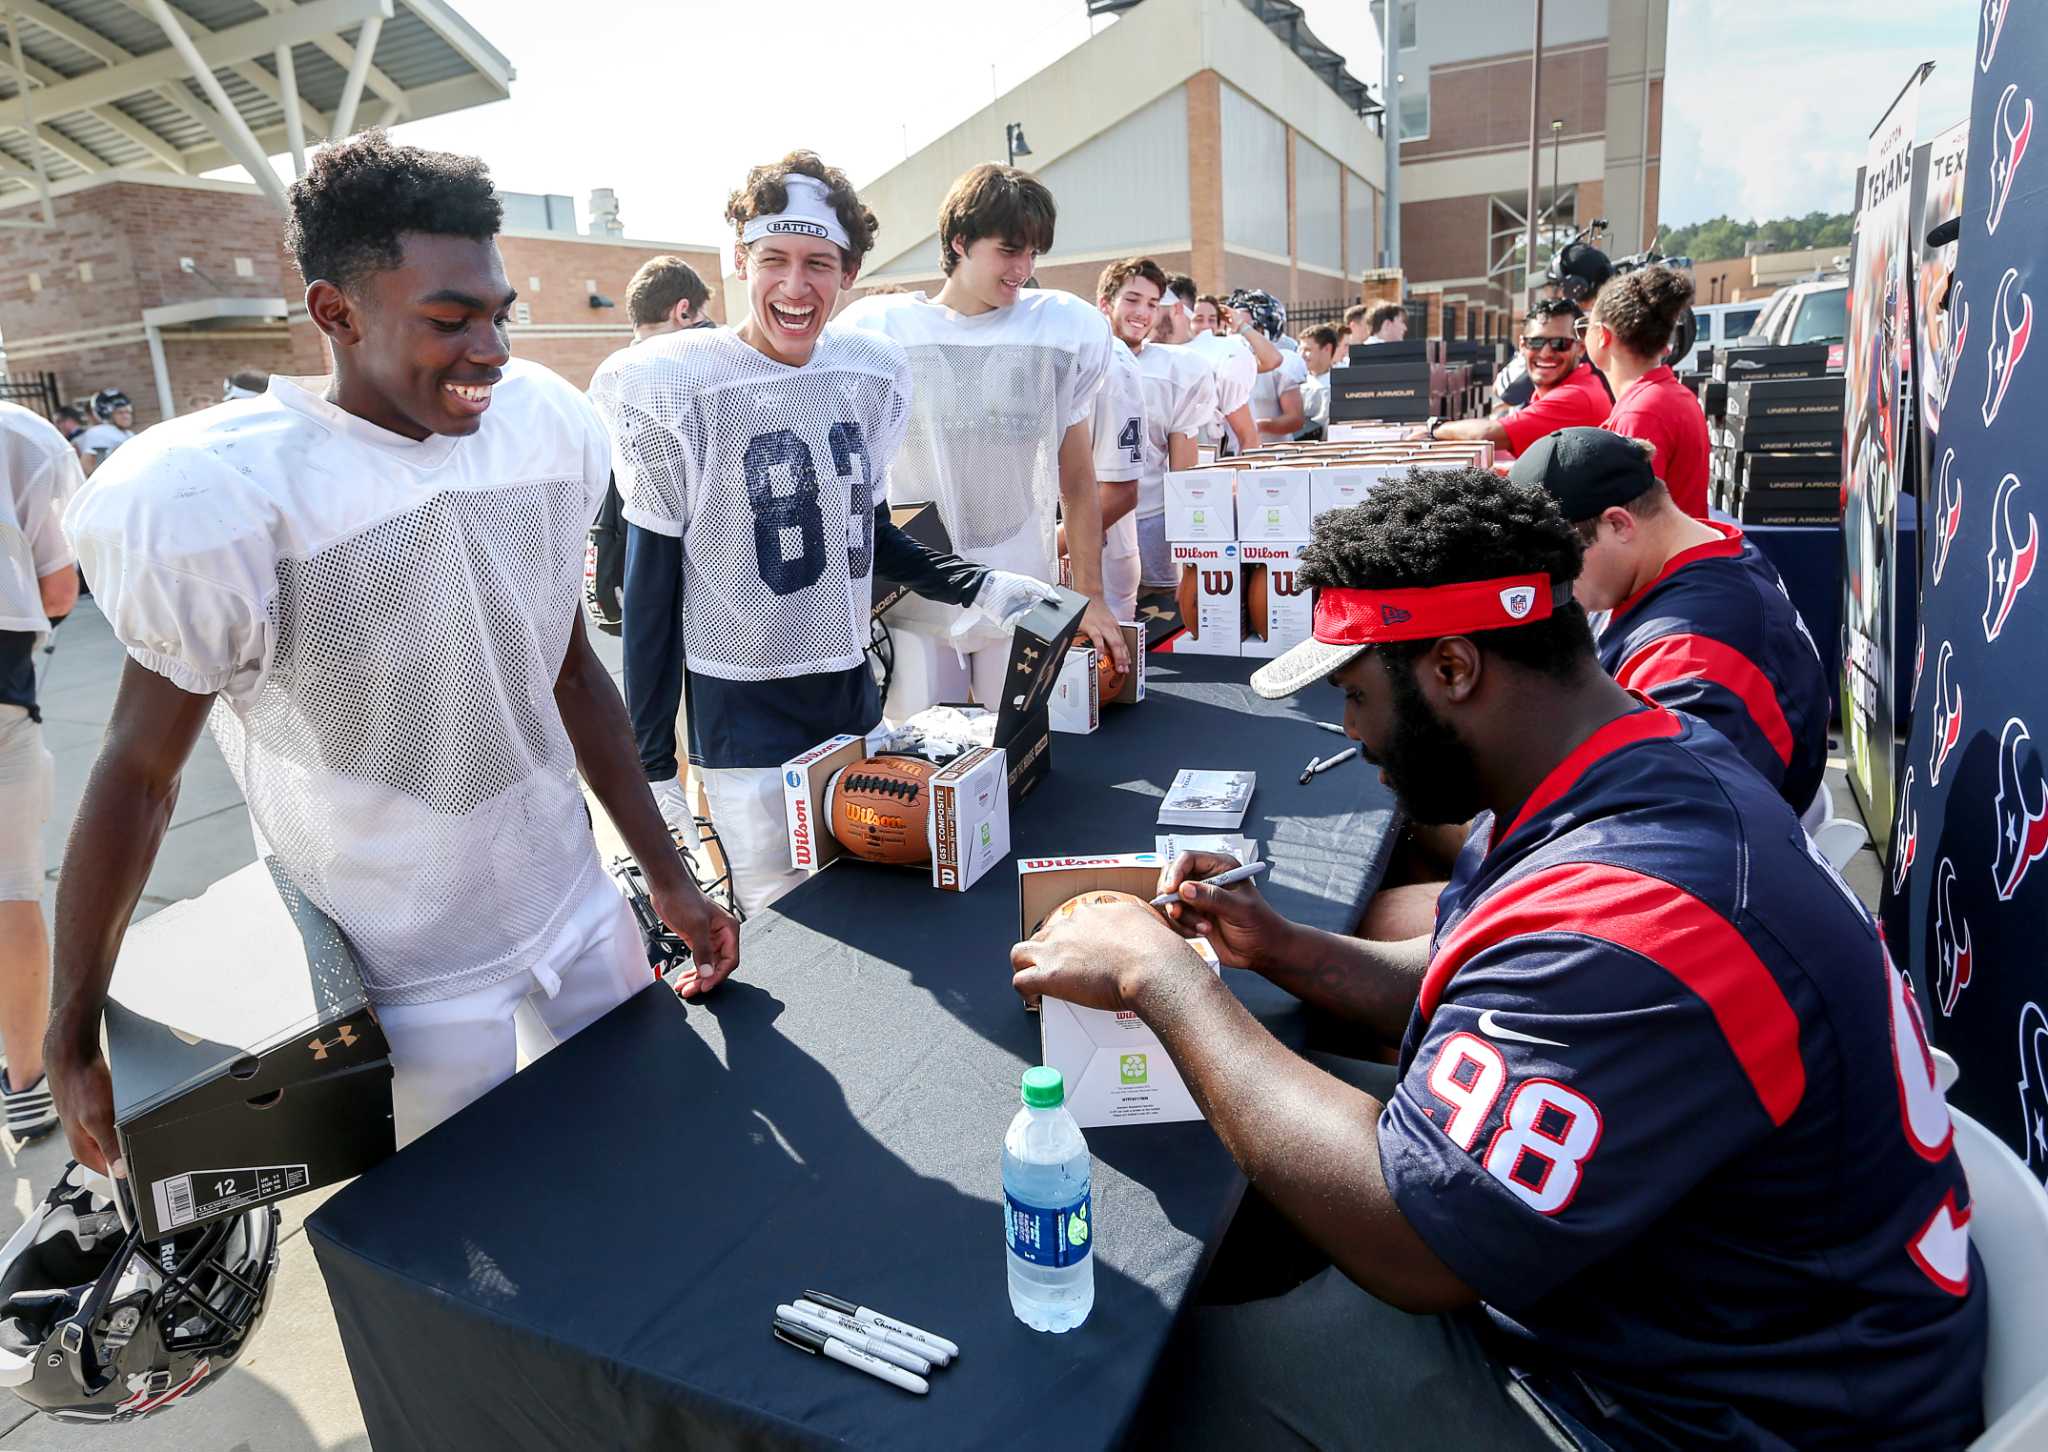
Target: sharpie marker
{"points": [[803, 1338], [1221, 879], [845, 1328], [941, 1352]]}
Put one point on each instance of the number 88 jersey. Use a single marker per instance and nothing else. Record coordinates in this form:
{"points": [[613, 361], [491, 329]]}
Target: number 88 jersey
{"points": [[770, 475]]}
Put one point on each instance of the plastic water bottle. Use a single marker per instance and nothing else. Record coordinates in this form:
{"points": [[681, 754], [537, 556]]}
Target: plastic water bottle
{"points": [[1048, 1217]]}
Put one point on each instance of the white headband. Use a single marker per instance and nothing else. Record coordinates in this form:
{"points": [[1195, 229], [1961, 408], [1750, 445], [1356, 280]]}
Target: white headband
{"points": [[807, 213]]}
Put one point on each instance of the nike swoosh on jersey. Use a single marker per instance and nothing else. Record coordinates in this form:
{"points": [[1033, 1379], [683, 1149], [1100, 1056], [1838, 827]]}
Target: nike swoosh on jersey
{"points": [[1494, 1029]]}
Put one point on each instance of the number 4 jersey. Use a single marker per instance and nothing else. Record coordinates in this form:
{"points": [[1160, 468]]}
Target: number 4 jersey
{"points": [[770, 477], [1667, 1107]]}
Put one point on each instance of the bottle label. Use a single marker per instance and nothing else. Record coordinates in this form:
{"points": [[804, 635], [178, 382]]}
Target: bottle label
{"points": [[1055, 1237]]}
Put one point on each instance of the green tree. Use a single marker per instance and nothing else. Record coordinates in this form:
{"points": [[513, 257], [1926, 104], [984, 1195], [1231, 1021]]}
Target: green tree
{"points": [[1722, 237]]}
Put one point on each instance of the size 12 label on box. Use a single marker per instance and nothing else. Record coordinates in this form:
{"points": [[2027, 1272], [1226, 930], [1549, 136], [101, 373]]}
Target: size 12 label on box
{"points": [[182, 1199]]}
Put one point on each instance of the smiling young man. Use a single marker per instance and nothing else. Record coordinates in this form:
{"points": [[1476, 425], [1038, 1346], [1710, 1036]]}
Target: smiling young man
{"points": [[761, 454], [1699, 620], [1228, 352], [370, 582], [1000, 435], [1180, 399], [1663, 1155], [1569, 393]]}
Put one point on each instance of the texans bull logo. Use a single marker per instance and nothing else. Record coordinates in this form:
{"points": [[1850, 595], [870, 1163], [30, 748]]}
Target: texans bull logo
{"points": [[1948, 512], [2033, 1087], [2010, 132], [1948, 716], [1951, 357], [2020, 809], [1919, 660], [1906, 839], [1994, 23], [1951, 941], [2009, 563], [2008, 343]]}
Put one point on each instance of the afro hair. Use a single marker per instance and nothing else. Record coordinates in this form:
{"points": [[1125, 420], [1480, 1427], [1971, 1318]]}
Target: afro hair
{"points": [[359, 196]]}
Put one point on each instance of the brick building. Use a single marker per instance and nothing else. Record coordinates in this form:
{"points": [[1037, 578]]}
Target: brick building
{"points": [[162, 285], [1192, 131]]}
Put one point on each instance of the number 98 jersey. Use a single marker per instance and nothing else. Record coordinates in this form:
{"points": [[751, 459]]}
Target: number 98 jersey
{"points": [[770, 476]]}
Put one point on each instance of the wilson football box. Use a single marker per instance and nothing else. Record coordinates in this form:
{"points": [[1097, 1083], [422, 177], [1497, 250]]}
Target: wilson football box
{"points": [[1211, 597], [967, 822], [1281, 613], [1201, 504], [1116, 1070], [247, 1065], [1273, 504], [1076, 704]]}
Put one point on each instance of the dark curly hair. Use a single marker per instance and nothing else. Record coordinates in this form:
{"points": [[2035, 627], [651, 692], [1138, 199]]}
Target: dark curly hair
{"points": [[763, 194], [1644, 308], [359, 195], [1443, 526], [1553, 307]]}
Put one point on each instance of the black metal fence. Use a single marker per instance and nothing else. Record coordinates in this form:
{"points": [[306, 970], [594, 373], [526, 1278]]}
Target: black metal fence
{"points": [[31, 390], [1307, 314]]}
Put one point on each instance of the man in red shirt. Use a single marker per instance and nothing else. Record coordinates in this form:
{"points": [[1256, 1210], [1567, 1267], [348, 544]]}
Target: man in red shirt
{"points": [[1569, 394], [1627, 337]]}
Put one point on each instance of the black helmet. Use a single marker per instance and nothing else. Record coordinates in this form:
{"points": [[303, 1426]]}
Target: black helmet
{"points": [[1579, 270], [107, 400], [1265, 310], [97, 1326]]}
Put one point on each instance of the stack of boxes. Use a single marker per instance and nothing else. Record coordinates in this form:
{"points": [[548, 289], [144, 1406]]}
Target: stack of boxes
{"points": [[1774, 417], [1237, 528], [1411, 382]]}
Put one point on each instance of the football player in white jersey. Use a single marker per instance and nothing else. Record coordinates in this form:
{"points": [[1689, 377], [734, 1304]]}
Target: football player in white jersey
{"points": [[1119, 429], [763, 451], [371, 584], [1230, 355], [1000, 433], [1276, 396], [1180, 399]]}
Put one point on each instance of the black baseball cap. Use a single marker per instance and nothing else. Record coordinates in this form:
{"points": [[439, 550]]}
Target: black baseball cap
{"points": [[1586, 470]]}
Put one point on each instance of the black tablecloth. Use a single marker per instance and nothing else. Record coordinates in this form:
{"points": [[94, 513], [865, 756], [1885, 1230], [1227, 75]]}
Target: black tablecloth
{"points": [[590, 1255]]}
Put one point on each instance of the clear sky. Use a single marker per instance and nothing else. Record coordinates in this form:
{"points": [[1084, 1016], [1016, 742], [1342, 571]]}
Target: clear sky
{"points": [[1768, 102]]}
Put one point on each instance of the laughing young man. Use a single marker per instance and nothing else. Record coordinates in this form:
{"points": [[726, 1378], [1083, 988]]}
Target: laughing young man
{"points": [[1180, 399], [1569, 393], [762, 451], [999, 435], [371, 584]]}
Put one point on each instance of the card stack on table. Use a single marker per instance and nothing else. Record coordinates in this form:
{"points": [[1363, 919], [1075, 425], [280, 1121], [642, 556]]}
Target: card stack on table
{"points": [[1209, 800]]}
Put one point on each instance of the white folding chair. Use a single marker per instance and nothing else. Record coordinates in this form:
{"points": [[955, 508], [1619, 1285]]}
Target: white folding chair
{"points": [[1818, 811], [2009, 1227], [1839, 839]]}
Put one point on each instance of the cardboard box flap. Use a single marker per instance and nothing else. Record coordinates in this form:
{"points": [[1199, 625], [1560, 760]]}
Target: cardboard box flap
{"points": [[209, 984], [919, 520], [1037, 648]]}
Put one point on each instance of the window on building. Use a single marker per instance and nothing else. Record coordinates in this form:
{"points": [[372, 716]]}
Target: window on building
{"points": [[1404, 25], [1414, 116]]}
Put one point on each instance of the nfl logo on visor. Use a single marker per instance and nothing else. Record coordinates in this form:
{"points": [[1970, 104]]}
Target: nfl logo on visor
{"points": [[807, 229], [1518, 601]]}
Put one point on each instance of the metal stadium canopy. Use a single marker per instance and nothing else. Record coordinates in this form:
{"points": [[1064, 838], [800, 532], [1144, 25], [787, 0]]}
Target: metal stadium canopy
{"points": [[190, 86], [1286, 20]]}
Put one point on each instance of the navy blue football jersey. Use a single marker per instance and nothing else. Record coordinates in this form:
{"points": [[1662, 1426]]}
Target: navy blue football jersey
{"points": [[1667, 1106], [1716, 636]]}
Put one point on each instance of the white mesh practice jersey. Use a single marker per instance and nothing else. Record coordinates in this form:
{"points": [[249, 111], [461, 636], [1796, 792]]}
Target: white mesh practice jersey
{"points": [[1119, 425], [1235, 366], [41, 474], [1268, 386], [1180, 398], [770, 476], [383, 621], [995, 393]]}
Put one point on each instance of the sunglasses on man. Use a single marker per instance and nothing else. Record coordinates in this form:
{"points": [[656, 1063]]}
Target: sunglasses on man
{"points": [[1555, 345]]}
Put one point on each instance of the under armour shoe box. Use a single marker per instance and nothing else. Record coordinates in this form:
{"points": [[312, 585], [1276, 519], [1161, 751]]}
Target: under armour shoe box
{"points": [[1785, 405], [1038, 645], [247, 1065], [1201, 504], [1115, 1068], [1402, 393], [1713, 397], [921, 522], [1211, 597], [1408, 350], [1280, 613], [970, 811], [1273, 504], [1789, 360]]}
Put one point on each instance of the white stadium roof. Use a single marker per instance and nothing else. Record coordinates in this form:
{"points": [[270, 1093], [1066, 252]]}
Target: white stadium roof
{"points": [[189, 86]]}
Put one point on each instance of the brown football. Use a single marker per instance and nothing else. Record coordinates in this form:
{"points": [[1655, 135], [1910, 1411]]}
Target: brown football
{"points": [[1111, 679], [879, 809], [1255, 615], [1082, 899], [1189, 596]]}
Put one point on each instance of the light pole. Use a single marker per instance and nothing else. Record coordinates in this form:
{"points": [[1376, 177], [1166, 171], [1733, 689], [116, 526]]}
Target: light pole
{"points": [[1014, 143], [1556, 134]]}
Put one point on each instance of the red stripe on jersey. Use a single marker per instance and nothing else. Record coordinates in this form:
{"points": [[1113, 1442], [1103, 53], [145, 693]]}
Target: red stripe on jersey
{"points": [[1621, 731], [1674, 658], [1665, 924]]}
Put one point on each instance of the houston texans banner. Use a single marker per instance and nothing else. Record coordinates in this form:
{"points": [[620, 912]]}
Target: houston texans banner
{"points": [[1941, 314], [1877, 448], [1968, 913]]}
